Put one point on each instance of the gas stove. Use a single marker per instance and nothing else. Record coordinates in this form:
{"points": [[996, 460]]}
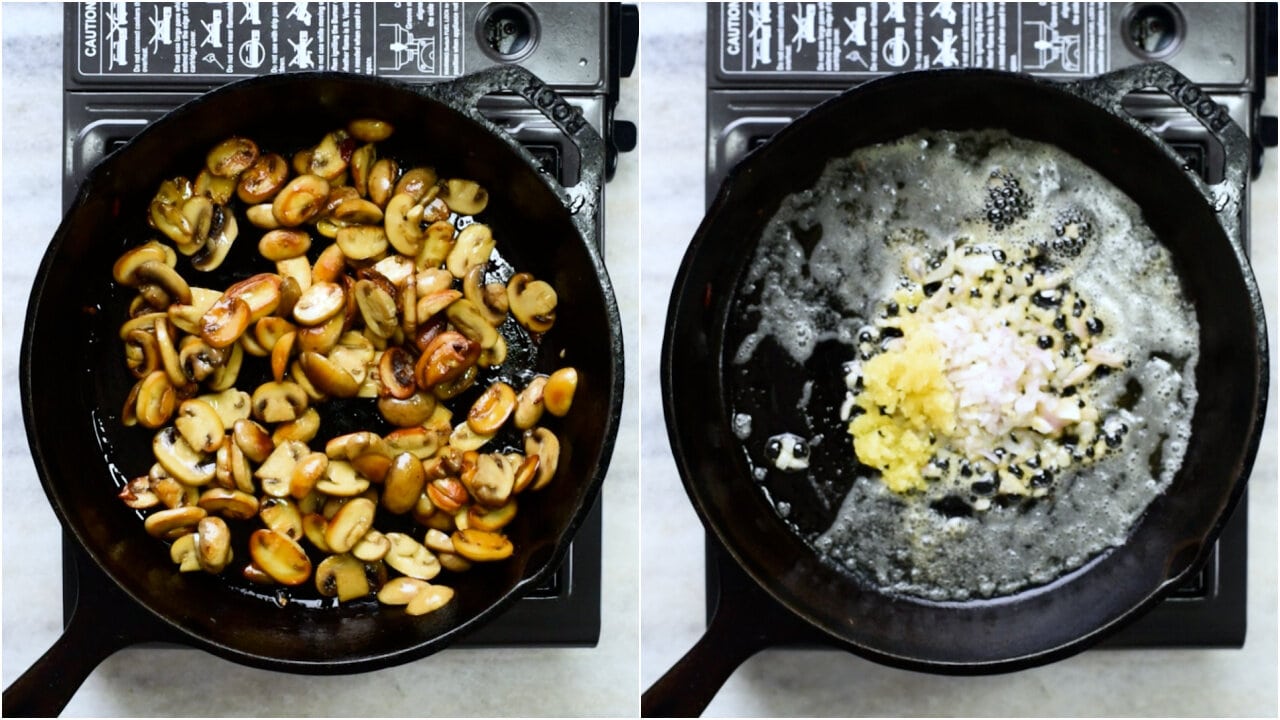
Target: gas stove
{"points": [[767, 63], [128, 63]]}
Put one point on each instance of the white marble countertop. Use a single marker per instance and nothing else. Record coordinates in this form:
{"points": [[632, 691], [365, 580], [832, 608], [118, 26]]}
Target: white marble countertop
{"points": [[598, 681], [817, 682]]}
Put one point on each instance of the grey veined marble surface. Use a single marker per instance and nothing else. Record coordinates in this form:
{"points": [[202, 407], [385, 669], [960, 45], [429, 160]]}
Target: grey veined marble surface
{"points": [[832, 683], [600, 681]]}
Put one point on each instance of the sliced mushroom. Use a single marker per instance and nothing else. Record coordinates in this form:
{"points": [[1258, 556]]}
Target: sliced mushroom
{"points": [[138, 494], [472, 247], [284, 244], [197, 216], [343, 576], [481, 546], [275, 402], [154, 400], [162, 274], [263, 179], [543, 443], [234, 504], [126, 267], [418, 182], [399, 591], [281, 353], [532, 302], [490, 411], [403, 224], [362, 161], [464, 197], [403, 484], [224, 322], [303, 429], [370, 130], [362, 242], [173, 523], [329, 159], [270, 329], [466, 439], [200, 426], [373, 547], [280, 557], [354, 211], [435, 302], [217, 189], [232, 156], [260, 292], [319, 303], [173, 494], [198, 360], [322, 338], [306, 473], [253, 440], [224, 376], [313, 527], [349, 525], [341, 480], [327, 376], [382, 180], [300, 200], [213, 544], [526, 471], [491, 479], [558, 393], [180, 460], [430, 599], [529, 404], [223, 231], [491, 519], [281, 515], [183, 553], [409, 412], [411, 557], [262, 216], [445, 358], [447, 494], [276, 473], [377, 308], [231, 405], [256, 575], [420, 442], [469, 321], [474, 291], [453, 562]]}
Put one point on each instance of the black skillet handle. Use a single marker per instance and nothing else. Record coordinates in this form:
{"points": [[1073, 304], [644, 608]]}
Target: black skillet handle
{"points": [[464, 93], [1226, 196], [90, 637], [689, 686]]}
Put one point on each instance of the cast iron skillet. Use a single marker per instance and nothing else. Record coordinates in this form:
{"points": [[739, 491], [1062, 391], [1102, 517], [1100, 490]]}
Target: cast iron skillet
{"points": [[73, 380], [1200, 225]]}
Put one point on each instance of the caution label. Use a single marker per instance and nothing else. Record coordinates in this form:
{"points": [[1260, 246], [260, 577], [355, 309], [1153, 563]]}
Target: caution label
{"points": [[878, 38], [243, 39]]}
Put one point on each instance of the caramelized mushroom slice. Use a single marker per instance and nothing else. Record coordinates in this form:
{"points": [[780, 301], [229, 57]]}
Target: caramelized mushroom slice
{"points": [[138, 494], [373, 547], [529, 404], [362, 161], [275, 402], [224, 322], [403, 484], [399, 591], [409, 412], [232, 156], [362, 242], [377, 308], [263, 179], [183, 553], [300, 200], [276, 472], [473, 246], [341, 480], [200, 426], [532, 302], [420, 182], [173, 523], [234, 504], [329, 159], [349, 525], [411, 558], [280, 557], [482, 546], [306, 473], [464, 197], [474, 291], [558, 393], [213, 544], [281, 515], [382, 181], [343, 576], [430, 599], [327, 376], [543, 443], [231, 405], [370, 130], [223, 231], [491, 410], [465, 439], [470, 322], [446, 358], [284, 244], [180, 460], [154, 400], [490, 480], [403, 224]]}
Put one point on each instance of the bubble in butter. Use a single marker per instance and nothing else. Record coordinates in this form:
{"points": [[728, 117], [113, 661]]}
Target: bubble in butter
{"points": [[788, 452]]}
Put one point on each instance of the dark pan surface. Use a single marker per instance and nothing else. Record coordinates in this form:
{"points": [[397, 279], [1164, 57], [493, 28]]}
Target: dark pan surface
{"points": [[1039, 624], [74, 380]]}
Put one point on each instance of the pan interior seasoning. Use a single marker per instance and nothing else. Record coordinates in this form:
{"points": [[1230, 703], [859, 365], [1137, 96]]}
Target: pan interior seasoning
{"points": [[1017, 364]]}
